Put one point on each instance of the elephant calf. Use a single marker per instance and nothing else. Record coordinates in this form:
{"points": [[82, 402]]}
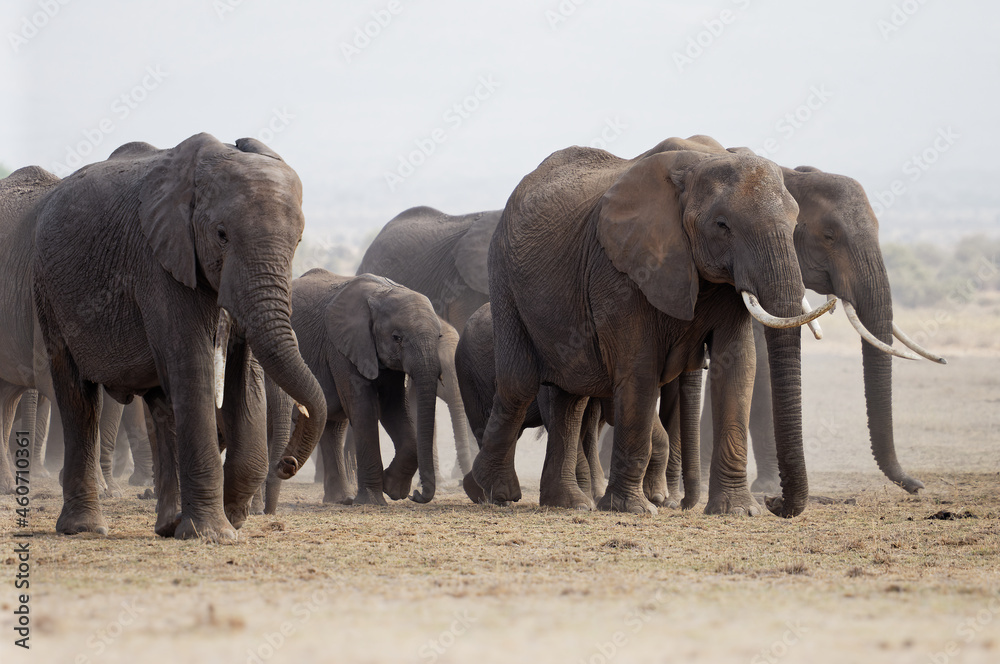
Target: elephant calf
{"points": [[361, 336]]}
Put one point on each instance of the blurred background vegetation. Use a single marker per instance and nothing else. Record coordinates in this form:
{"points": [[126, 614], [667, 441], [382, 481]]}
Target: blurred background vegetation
{"points": [[928, 274]]}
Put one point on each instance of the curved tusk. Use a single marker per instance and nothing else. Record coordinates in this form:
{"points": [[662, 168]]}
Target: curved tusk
{"points": [[833, 297], [221, 348], [758, 312], [852, 316], [915, 347], [813, 325], [302, 409]]}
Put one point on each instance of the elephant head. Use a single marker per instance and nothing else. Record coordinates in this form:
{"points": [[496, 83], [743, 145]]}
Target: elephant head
{"points": [[230, 217], [678, 217], [376, 324], [836, 239]]}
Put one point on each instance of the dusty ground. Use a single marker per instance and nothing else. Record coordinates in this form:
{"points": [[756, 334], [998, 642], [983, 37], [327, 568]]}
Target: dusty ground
{"points": [[862, 576]]}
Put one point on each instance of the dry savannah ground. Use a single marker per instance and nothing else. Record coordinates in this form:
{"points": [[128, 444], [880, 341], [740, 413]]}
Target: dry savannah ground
{"points": [[862, 576]]}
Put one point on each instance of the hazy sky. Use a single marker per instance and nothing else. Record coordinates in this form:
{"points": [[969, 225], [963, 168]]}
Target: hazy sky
{"points": [[455, 101]]}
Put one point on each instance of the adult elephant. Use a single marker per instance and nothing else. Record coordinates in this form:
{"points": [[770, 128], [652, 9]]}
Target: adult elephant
{"points": [[836, 241], [23, 361], [362, 337], [442, 256], [147, 265], [608, 276]]}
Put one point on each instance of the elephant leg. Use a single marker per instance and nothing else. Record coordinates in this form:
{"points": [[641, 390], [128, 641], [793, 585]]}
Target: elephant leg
{"points": [[732, 386], [654, 480], [335, 486], [80, 407], [607, 443], [707, 430], [318, 460], [559, 486], [583, 468], [363, 413], [449, 391], [351, 462], [122, 459], [55, 446], [162, 441], [138, 440], [762, 422], [147, 414], [279, 430], [244, 421], [690, 416], [38, 445], [635, 409], [9, 397], [399, 421], [111, 418], [590, 431]]}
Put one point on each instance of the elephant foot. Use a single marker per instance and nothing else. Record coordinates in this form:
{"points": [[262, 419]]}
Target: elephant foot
{"points": [[112, 489], [566, 497], [166, 525], [237, 514], [396, 482], [737, 503], [370, 496], [766, 484], [39, 470], [499, 487], [148, 494], [338, 498], [217, 529], [687, 503], [140, 478], [634, 503], [257, 504], [473, 490], [81, 518], [656, 490]]}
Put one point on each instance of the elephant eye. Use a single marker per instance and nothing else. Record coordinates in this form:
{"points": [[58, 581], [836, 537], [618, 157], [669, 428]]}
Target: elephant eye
{"points": [[223, 238], [396, 337], [722, 223]]}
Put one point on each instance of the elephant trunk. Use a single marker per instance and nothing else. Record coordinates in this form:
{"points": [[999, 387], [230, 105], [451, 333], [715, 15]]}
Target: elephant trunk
{"points": [[783, 297], [425, 388], [873, 302], [264, 313]]}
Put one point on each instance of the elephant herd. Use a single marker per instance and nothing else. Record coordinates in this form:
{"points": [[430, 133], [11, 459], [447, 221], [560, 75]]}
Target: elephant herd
{"points": [[603, 288]]}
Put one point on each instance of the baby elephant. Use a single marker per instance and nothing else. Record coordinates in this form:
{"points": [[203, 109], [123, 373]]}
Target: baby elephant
{"points": [[361, 337]]}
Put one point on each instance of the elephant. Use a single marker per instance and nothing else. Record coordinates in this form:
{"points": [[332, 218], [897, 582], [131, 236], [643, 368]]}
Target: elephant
{"points": [[167, 274], [443, 257], [32, 415], [475, 362], [608, 277], [363, 337], [131, 447], [23, 361], [836, 241]]}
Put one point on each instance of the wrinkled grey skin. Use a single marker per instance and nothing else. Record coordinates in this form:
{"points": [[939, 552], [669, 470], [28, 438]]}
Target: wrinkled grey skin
{"points": [[32, 416], [362, 337], [836, 241], [443, 257], [131, 453], [476, 365], [134, 257], [634, 246]]}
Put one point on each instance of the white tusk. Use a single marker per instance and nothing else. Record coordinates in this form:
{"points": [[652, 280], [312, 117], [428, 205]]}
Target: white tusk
{"points": [[302, 409], [758, 312], [813, 325], [852, 316], [221, 348], [915, 347], [833, 297]]}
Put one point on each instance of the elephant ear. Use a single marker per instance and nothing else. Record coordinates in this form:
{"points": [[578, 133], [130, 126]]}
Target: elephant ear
{"points": [[473, 249], [640, 227], [349, 320], [166, 206]]}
